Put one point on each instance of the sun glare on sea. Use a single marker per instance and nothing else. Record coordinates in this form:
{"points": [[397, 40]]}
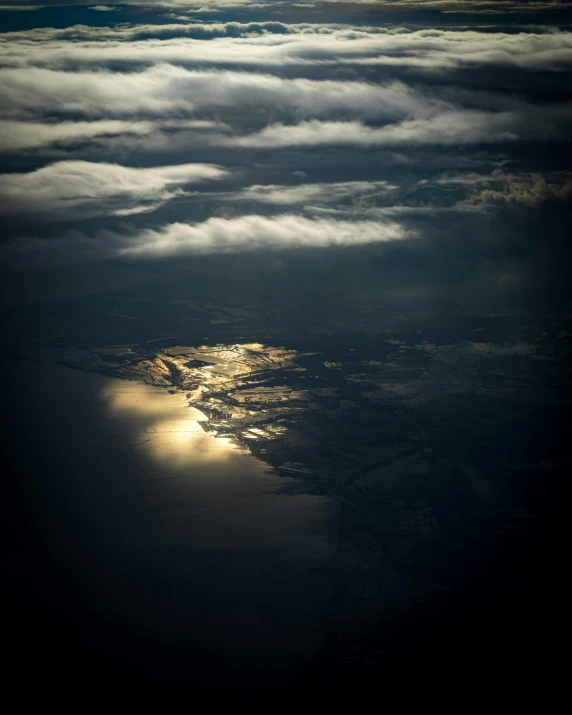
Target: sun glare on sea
{"points": [[163, 425]]}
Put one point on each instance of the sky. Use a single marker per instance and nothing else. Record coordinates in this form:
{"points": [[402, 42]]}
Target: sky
{"points": [[433, 133]]}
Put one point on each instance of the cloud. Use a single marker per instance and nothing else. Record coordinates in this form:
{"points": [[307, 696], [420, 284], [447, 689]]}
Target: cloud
{"points": [[26, 135], [102, 8], [169, 77], [272, 46], [525, 189], [367, 117], [79, 189], [128, 33], [165, 89], [394, 6], [314, 193], [17, 136], [336, 112], [253, 232], [213, 236], [450, 128], [475, 6]]}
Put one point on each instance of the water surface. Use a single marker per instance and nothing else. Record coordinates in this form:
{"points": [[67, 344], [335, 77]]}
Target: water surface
{"points": [[178, 536]]}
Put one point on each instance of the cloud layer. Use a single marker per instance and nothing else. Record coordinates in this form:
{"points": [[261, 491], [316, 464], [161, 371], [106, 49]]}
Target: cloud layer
{"points": [[240, 74], [79, 189], [214, 236], [240, 136], [276, 45]]}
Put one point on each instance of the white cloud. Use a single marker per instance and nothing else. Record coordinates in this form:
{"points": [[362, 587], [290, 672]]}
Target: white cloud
{"points": [[207, 90], [102, 8], [16, 136], [216, 235], [128, 32], [26, 135], [65, 73], [166, 89], [451, 128], [246, 99], [253, 232], [314, 193], [79, 189], [249, 45]]}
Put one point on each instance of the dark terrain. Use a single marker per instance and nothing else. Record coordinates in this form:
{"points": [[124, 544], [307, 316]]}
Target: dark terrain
{"points": [[441, 433]]}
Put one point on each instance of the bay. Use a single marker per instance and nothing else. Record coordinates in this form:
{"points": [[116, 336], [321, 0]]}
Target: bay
{"points": [[185, 542]]}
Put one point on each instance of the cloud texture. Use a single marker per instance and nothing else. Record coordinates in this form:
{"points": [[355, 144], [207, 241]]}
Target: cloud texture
{"points": [[241, 135]]}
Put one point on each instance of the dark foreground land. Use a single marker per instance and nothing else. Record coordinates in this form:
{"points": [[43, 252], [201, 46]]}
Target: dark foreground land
{"points": [[443, 436]]}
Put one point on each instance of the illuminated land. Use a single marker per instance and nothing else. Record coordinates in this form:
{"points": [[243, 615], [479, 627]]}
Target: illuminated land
{"points": [[404, 437]]}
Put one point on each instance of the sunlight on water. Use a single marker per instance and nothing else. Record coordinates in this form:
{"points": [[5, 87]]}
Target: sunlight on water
{"points": [[208, 487], [165, 422], [190, 537]]}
